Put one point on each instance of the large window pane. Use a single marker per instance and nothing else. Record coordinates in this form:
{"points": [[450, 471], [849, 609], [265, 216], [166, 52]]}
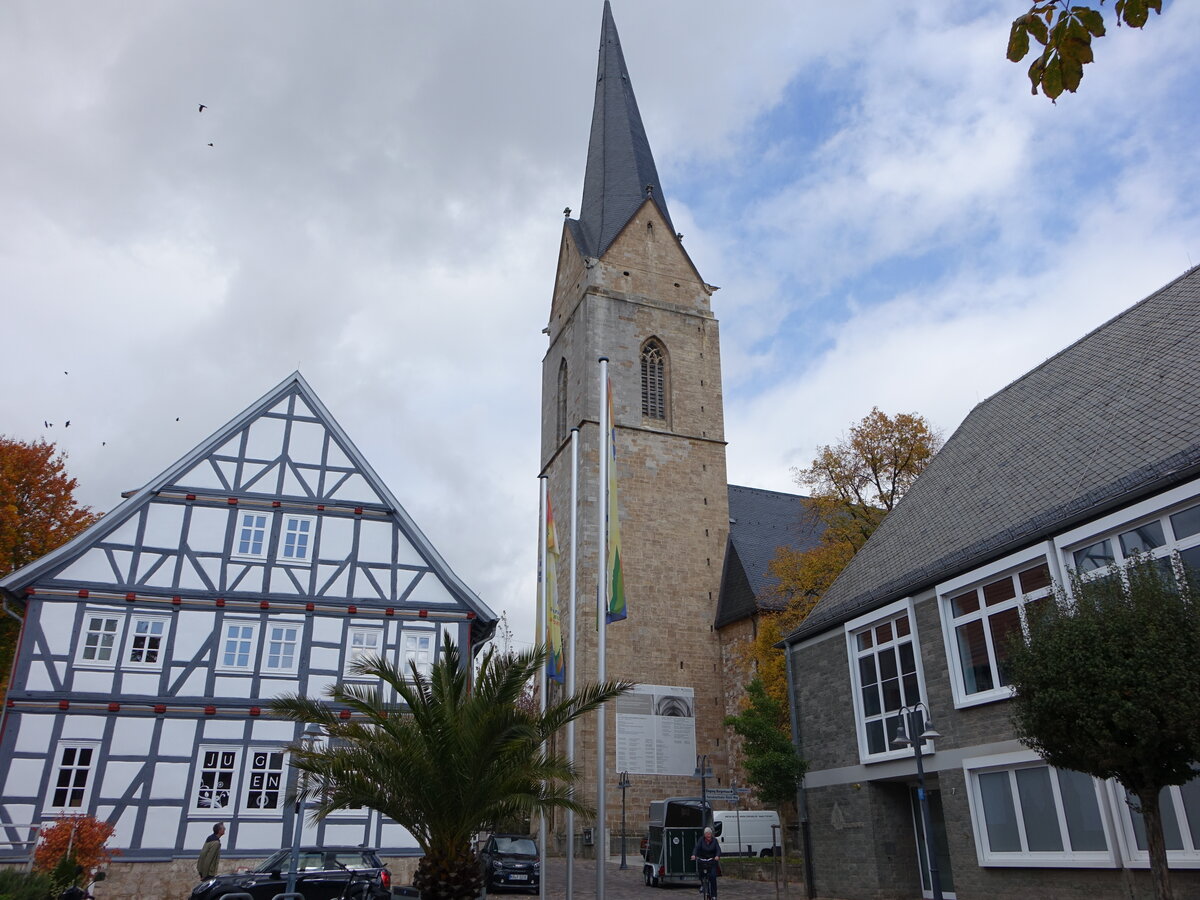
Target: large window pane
{"points": [[1142, 539], [875, 737], [1191, 565], [965, 603], [999, 591], [972, 651], [1037, 810], [871, 704], [999, 814], [1097, 556], [1186, 523], [887, 664], [1085, 829], [1005, 625], [1190, 794], [1035, 579], [1170, 823]]}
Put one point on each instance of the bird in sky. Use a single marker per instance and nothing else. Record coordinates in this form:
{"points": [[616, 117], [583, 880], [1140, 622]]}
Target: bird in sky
{"points": [[67, 424], [210, 145], [202, 108], [45, 424]]}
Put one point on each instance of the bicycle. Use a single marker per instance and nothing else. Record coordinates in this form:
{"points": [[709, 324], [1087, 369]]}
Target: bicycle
{"points": [[703, 869]]}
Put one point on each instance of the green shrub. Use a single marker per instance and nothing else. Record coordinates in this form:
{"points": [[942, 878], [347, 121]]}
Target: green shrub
{"points": [[17, 885]]}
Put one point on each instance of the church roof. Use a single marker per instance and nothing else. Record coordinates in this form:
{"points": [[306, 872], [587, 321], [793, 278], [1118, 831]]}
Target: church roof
{"points": [[1107, 421], [760, 522], [620, 167]]}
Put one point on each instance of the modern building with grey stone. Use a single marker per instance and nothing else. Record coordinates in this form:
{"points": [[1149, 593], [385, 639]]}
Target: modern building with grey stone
{"points": [[1089, 458]]}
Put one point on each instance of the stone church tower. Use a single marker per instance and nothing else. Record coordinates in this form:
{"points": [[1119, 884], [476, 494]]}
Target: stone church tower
{"points": [[626, 289]]}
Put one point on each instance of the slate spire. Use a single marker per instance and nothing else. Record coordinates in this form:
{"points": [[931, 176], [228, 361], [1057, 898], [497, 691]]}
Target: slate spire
{"points": [[620, 167]]}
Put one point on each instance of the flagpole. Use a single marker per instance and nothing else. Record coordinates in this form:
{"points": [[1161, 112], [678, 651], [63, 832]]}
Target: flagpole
{"points": [[571, 654], [602, 626], [543, 681]]}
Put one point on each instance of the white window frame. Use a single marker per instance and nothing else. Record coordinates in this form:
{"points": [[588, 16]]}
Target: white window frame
{"points": [[852, 629], [1162, 506], [947, 591], [1134, 858], [92, 770], [239, 528], [1061, 859], [252, 656], [408, 631], [269, 639], [127, 661], [349, 657], [286, 530], [234, 770], [250, 786], [89, 614]]}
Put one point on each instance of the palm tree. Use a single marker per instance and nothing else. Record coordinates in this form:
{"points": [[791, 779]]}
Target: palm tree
{"points": [[447, 760]]}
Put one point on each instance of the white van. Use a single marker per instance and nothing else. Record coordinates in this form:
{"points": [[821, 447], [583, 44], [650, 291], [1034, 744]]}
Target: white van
{"points": [[748, 832]]}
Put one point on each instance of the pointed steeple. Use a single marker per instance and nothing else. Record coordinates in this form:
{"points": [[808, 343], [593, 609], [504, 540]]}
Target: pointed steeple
{"points": [[620, 167]]}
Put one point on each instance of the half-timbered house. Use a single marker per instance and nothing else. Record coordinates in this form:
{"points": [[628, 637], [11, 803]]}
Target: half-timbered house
{"points": [[265, 561]]}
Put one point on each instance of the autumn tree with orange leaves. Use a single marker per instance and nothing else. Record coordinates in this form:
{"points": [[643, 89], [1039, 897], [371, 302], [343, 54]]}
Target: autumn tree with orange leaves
{"points": [[80, 839], [854, 484], [38, 513]]}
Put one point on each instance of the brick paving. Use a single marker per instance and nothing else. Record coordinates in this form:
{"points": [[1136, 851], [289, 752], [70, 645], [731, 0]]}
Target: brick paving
{"points": [[628, 885]]}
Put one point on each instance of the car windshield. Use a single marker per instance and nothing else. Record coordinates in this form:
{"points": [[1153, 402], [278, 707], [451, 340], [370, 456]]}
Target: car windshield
{"points": [[352, 860], [522, 846]]}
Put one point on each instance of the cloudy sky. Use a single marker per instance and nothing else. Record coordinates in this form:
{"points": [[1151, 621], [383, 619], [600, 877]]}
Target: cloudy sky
{"points": [[893, 220]]}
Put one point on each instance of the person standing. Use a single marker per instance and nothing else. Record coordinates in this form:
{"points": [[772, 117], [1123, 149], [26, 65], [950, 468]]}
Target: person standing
{"points": [[708, 848], [210, 853]]}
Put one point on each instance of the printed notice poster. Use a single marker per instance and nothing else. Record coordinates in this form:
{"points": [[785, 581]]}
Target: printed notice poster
{"points": [[656, 730]]}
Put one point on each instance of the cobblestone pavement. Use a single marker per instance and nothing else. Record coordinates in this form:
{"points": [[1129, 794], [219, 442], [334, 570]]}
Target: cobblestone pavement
{"points": [[628, 885]]}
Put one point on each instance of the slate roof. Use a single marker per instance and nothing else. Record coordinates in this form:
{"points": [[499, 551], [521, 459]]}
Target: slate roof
{"points": [[620, 165], [760, 522], [1111, 419]]}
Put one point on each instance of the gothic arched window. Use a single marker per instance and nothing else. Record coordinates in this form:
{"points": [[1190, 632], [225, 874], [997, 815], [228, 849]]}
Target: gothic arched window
{"points": [[561, 426], [654, 380]]}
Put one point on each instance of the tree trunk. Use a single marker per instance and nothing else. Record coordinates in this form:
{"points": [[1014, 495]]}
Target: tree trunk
{"points": [[450, 876], [1160, 875]]}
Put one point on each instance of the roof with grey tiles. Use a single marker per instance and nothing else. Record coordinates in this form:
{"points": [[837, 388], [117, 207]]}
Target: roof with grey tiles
{"points": [[620, 167], [1111, 419], [760, 522]]}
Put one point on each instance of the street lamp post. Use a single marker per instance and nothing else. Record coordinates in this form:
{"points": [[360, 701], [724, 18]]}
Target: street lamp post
{"points": [[909, 725], [623, 784], [703, 772], [312, 731]]}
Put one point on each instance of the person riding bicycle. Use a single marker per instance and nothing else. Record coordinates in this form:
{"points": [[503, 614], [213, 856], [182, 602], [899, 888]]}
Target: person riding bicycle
{"points": [[708, 850]]}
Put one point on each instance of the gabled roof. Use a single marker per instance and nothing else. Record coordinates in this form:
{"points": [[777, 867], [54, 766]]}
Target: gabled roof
{"points": [[286, 446], [1111, 419], [760, 522], [620, 166]]}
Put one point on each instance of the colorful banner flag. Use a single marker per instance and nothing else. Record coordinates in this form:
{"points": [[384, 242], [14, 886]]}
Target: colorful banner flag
{"points": [[556, 661], [616, 609]]}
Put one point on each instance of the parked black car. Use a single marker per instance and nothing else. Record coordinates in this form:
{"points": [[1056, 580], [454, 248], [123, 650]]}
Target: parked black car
{"points": [[323, 873], [511, 861]]}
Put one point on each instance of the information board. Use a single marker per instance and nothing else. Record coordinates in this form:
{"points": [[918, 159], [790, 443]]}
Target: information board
{"points": [[656, 730]]}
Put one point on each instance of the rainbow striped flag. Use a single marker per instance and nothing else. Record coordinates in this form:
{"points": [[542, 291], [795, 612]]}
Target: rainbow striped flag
{"points": [[556, 668], [616, 608]]}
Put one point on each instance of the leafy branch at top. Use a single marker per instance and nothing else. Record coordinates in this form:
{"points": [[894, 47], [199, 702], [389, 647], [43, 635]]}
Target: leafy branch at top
{"points": [[1065, 33]]}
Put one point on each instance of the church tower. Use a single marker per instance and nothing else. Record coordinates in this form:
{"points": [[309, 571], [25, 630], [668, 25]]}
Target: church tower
{"points": [[627, 290]]}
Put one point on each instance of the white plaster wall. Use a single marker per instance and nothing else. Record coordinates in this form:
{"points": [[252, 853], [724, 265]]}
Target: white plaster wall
{"points": [[162, 823], [178, 737], [83, 727], [117, 778], [34, 732], [169, 781], [164, 525]]}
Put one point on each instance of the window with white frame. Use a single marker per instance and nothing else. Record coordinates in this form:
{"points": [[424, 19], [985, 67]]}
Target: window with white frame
{"points": [[1160, 538], [264, 790], [984, 620], [251, 538], [885, 671], [101, 639], [71, 787], [296, 540], [1180, 809], [361, 642], [146, 642], [239, 645], [416, 648], [215, 778], [282, 650], [1025, 813]]}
